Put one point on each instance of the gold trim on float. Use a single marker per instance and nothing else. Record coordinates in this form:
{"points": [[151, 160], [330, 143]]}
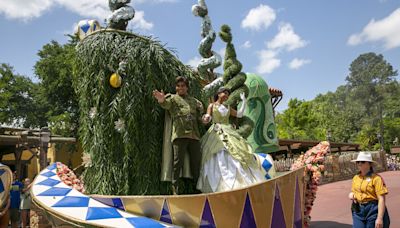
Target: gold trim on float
{"points": [[262, 204], [151, 208], [287, 191], [187, 211], [227, 208]]}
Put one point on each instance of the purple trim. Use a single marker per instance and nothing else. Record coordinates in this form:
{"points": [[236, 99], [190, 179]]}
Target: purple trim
{"points": [[297, 207], [248, 216], [207, 219], [278, 219], [165, 215]]}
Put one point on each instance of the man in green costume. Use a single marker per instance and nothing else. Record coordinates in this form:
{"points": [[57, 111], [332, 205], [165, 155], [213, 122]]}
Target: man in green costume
{"points": [[186, 112]]}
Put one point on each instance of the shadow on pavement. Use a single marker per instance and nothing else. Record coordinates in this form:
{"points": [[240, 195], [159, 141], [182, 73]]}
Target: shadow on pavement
{"points": [[328, 224]]}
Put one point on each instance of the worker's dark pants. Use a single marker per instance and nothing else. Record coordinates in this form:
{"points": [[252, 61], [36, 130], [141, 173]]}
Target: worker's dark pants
{"points": [[181, 146], [367, 214]]}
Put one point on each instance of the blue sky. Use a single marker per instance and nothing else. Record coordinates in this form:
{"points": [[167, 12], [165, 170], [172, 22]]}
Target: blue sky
{"points": [[302, 47]]}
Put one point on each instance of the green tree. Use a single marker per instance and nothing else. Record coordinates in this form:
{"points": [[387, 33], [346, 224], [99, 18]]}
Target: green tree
{"points": [[55, 71], [338, 113], [355, 112], [19, 105], [370, 78], [298, 121]]}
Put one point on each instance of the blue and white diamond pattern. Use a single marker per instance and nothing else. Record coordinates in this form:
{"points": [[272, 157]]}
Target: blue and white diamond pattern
{"points": [[266, 162], [86, 27], [49, 191]]}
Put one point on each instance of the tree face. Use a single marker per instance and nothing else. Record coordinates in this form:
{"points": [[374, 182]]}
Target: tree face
{"points": [[122, 129]]}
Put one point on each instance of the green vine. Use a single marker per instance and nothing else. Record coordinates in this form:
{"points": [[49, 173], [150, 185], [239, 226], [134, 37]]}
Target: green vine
{"points": [[234, 80]]}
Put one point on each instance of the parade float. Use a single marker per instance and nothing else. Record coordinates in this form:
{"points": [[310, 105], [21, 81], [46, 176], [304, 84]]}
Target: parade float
{"points": [[6, 179], [121, 132]]}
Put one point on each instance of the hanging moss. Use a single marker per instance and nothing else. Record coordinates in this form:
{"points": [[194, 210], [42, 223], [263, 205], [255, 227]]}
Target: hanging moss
{"points": [[125, 161], [234, 80]]}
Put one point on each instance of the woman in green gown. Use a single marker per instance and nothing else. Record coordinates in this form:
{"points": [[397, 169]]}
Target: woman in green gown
{"points": [[228, 161]]}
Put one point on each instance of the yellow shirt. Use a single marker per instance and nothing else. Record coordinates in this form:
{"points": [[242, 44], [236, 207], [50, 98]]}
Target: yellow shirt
{"points": [[368, 188]]}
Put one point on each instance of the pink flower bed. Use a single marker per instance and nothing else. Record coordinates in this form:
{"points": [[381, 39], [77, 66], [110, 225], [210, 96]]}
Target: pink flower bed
{"points": [[69, 178], [313, 160]]}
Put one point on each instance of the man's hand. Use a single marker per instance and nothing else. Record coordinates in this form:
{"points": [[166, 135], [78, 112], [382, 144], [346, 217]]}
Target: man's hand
{"points": [[206, 119], [160, 96]]}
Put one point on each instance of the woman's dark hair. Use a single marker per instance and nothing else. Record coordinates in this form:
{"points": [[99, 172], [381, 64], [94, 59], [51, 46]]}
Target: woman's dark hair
{"points": [[182, 79], [220, 90]]}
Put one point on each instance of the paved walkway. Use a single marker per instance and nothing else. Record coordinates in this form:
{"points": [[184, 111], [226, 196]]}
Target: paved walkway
{"points": [[332, 207]]}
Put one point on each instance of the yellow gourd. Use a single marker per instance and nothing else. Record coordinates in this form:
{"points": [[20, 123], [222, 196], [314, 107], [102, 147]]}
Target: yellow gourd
{"points": [[115, 80]]}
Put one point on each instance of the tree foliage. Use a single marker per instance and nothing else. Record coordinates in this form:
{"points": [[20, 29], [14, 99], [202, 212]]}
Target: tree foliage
{"points": [[19, 100], [355, 112], [55, 71]]}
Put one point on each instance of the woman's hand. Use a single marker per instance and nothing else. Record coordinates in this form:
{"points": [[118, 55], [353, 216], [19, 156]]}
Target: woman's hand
{"points": [[379, 223], [351, 196], [240, 112], [242, 96]]}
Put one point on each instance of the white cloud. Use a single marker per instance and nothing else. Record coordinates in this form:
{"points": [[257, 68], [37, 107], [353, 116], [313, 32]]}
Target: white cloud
{"points": [[96, 9], [286, 39], [87, 8], [297, 63], [140, 23], [385, 30], [268, 61], [246, 45], [259, 18], [194, 62], [25, 10]]}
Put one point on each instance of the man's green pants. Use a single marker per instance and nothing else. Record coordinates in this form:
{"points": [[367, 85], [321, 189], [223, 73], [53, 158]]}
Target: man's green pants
{"points": [[192, 147]]}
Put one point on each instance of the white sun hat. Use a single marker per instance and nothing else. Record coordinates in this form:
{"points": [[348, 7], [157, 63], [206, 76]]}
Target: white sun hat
{"points": [[364, 156]]}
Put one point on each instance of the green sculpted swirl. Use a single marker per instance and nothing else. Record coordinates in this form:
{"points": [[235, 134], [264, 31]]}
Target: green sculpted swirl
{"points": [[263, 139], [255, 102], [234, 79]]}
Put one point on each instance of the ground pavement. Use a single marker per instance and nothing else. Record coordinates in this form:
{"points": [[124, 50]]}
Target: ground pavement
{"points": [[332, 207]]}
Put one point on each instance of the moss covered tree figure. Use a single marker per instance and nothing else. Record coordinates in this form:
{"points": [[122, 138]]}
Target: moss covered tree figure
{"points": [[234, 80], [121, 124]]}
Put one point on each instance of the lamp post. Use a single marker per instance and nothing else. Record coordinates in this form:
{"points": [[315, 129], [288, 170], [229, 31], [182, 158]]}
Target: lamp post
{"points": [[44, 145]]}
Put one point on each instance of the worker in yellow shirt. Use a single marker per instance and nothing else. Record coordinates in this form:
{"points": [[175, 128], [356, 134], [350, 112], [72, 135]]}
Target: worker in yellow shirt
{"points": [[368, 192]]}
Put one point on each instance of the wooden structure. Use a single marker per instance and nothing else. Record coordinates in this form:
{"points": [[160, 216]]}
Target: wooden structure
{"points": [[395, 150], [36, 141], [276, 97], [292, 146]]}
